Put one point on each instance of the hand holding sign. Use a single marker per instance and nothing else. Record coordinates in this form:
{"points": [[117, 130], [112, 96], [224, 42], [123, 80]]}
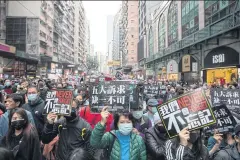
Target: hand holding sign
{"points": [[51, 117], [184, 136], [104, 115]]}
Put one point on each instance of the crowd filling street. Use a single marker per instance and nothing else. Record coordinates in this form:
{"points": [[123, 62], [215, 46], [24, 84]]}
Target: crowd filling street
{"points": [[139, 132]]}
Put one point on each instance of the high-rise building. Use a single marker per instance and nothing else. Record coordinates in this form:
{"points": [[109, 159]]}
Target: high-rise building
{"points": [[80, 33], [88, 45], [116, 36], [130, 27], [3, 21]]}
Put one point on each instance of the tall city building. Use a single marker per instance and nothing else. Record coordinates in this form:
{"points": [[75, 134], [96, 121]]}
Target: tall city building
{"points": [[116, 36], [130, 27], [80, 33], [88, 45], [3, 13]]}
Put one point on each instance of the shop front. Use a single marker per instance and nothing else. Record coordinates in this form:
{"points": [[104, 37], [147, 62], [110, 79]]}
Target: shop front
{"points": [[221, 66], [188, 67], [172, 70], [161, 72]]}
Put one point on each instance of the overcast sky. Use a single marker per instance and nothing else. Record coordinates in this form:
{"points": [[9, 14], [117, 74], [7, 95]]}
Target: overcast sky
{"points": [[96, 12]]}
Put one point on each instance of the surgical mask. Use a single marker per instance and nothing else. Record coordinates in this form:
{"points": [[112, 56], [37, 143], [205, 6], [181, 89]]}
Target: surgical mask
{"points": [[125, 128], [16, 84], [75, 94], [8, 84], [154, 110], [137, 114], [32, 97], [163, 91], [1, 87], [18, 124], [72, 116], [194, 137]]}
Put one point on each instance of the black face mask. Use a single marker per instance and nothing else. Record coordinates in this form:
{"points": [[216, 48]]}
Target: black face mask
{"points": [[18, 124], [72, 116], [161, 129], [194, 137]]}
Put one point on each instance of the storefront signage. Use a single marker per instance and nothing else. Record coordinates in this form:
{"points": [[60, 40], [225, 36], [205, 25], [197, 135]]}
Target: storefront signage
{"points": [[186, 63], [194, 67], [172, 67], [221, 57], [7, 48]]}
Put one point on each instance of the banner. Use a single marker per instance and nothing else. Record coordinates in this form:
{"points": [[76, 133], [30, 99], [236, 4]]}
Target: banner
{"points": [[191, 109], [229, 97], [225, 120], [59, 102], [118, 95], [151, 90]]}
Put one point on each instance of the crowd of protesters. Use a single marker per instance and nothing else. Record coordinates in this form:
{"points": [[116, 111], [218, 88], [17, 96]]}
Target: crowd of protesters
{"points": [[136, 134]]}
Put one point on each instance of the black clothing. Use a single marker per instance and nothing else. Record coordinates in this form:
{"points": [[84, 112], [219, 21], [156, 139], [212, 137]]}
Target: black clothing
{"points": [[43, 93], [155, 144], [28, 141], [36, 108], [174, 150], [70, 137], [230, 152]]}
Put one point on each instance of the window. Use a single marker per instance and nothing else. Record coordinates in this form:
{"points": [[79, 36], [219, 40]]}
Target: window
{"points": [[172, 23], [161, 33], [132, 21], [215, 9], [132, 43], [190, 22], [132, 36], [132, 51], [150, 42]]}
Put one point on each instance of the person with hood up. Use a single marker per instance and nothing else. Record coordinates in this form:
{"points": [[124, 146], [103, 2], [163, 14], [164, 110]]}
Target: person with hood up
{"points": [[42, 90], [35, 105], [73, 131], [3, 122], [187, 146], [122, 143], [22, 137], [230, 152], [156, 137], [8, 87]]}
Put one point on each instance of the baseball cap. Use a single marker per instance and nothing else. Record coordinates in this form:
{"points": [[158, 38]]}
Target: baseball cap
{"points": [[152, 102]]}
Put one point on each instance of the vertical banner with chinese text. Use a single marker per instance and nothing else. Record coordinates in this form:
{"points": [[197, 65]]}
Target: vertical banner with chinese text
{"points": [[191, 109], [229, 97], [59, 102], [117, 95]]}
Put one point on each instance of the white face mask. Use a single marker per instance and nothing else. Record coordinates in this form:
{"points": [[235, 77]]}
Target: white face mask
{"points": [[125, 128], [137, 114]]}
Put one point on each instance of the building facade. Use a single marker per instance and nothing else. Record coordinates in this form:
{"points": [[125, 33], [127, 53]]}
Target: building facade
{"points": [[130, 26], [191, 40]]}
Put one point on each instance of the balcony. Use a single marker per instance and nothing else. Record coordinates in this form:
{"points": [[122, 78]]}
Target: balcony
{"points": [[217, 28]]}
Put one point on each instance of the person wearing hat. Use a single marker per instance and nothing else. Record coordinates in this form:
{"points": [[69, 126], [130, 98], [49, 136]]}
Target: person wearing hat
{"points": [[151, 110], [155, 140], [232, 151]]}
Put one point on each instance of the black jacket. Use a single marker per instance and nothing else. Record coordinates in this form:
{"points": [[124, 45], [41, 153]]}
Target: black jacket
{"points": [[175, 151], [155, 144], [36, 109], [70, 137], [29, 145], [228, 153]]}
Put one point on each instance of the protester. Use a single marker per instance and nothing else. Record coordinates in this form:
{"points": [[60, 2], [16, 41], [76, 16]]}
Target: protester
{"points": [[6, 154], [22, 137], [42, 90], [188, 145], [3, 122], [73, 131], [8, 86], [230, 152], [122, 143], [155, 140], [35, 105], [151, 110]]}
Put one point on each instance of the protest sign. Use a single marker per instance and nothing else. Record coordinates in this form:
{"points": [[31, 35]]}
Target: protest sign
{"points": [[59, 102], [191, 109], [225, 120], [151, 90], [229, 97], [117, 95]]}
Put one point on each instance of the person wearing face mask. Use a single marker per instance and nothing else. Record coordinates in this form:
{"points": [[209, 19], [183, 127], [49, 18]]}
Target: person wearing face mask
{"points": [[122, 143], [187, 146], [3, 122], [155, 140], [73, 131], [42, 90], [151, 110], [22, 137], [230, 152], [35, 105], [8, 87]]}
